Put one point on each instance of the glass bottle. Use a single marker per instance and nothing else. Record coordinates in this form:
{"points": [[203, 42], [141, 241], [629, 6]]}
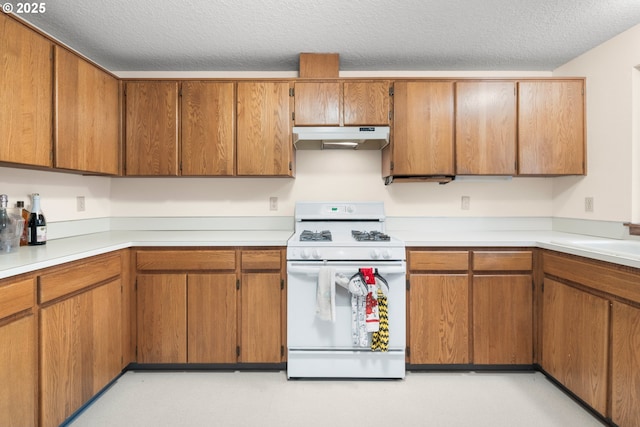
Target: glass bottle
{"points": [[37, 227]]}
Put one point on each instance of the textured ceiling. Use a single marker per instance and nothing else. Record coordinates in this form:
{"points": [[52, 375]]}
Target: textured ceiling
{"points": [[268, 35]]}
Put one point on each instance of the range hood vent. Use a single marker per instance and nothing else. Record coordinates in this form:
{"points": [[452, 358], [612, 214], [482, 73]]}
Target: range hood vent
{"points": [[440, 179], [343, 137]]}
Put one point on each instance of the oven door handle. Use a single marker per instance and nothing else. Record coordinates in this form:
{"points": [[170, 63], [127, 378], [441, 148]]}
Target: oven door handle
{"points": [[314, 270]]}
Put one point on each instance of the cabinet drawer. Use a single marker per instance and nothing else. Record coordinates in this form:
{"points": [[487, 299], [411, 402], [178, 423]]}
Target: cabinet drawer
{"points": [[78, 275], [439, 260], [16, 297], [502, 260], [186, 260], [261, 260]]}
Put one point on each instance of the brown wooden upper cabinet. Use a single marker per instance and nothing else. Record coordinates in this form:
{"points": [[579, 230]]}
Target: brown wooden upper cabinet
{"points": [[551, 127], [338, 103], [86, 115], [264, 129], [486, 128], [151, 128], [207, 125], [423, 122], [25, 95]]}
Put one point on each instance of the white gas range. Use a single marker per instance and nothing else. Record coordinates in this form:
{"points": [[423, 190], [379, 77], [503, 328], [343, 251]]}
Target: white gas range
{"points": [[335, 248]]}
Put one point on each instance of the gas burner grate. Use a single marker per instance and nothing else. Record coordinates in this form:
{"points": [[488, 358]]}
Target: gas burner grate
{"points": [[318, 236], [376, 236]]}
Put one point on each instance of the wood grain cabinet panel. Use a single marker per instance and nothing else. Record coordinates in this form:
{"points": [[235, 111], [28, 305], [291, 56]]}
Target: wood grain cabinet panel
{"points": [[162, 318], [184, 260], [366, 103], [261, 260], [502, 260], [423, 129], [503, 319], [575, 341], [625, 365], [318, 104], [551, 127], [25, 95], [439, 319], [208, 128], [264, 129], [18, 373], [151, 128], [486, 128], [16, 296], [438, 260], [81, 350], [87, 115]]}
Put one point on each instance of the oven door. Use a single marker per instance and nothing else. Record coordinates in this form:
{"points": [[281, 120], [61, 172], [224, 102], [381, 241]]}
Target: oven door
{"points": [[305, 331]]}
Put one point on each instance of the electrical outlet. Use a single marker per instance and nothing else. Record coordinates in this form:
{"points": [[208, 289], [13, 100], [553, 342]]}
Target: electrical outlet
{"points": [[80, 206], [273, 203], [588, 204], [465, 203]]}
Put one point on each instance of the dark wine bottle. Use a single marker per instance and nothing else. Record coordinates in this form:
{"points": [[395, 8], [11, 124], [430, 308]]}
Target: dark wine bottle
{"points": [[37, 226]]}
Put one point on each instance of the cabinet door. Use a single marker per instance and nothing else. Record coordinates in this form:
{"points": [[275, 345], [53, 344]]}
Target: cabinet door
{"points": [[25, 95], [86, 115], [551, 128], [264, 129], [212, 318], [625, 381], [503, 319], [575, 341], [208, 128], [80, 341], [423, 128], [151, 136], [18, 378], [162, 318], [439, 319], [260, 335], [486, 128], [318, 104], [366, 103]]}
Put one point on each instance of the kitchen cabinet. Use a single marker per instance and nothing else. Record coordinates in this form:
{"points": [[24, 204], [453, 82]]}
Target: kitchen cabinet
{"points": [[340, 103], [485, 128], [87, 110], [551, 127], [575, 341], [194, 306], [264, 129], [438, 307], [151, 128], [25, 95], [502, 308], [207, 126], [262, 290], [80, 334], [625, 364], [423, 130], [18, 352]]}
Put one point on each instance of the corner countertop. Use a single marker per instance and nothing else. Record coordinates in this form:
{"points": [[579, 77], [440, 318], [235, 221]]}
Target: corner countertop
{"points": [[59, 251]]}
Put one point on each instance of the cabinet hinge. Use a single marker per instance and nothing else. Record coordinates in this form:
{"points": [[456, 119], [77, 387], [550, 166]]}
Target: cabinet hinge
{"points": [[180, 91], [290, 166], [238, 351], [136, 285], [292, 92], [408, 352], [391, 91], [408, 284], [237, 284], [542, 287], [281, 284], [281, 351], [390, 117], [136, 352], [391, 166], [293, 116]]}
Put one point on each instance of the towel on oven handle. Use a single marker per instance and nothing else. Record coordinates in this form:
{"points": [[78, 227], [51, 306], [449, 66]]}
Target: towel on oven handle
{"points": [[326, 294]]}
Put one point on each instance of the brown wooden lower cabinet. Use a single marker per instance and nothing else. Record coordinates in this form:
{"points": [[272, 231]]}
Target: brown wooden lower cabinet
{"points": [[625, 365], [80, 350], [575, 341]]}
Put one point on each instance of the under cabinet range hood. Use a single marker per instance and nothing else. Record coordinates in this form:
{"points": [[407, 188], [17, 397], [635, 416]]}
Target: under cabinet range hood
{"points": [[341, 137]]}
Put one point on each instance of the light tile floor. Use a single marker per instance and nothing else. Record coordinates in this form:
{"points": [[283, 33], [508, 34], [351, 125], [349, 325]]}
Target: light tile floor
{"points": [[266, 399]]}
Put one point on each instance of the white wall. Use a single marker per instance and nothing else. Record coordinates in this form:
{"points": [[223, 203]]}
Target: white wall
{"points": [[612, 136]]}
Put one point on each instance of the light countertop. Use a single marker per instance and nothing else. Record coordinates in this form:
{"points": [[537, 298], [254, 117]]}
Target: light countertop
{"points": [[58, 251]]}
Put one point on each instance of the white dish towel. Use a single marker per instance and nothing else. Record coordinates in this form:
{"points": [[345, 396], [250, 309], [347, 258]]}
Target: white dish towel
{"points": [[326, 294]]}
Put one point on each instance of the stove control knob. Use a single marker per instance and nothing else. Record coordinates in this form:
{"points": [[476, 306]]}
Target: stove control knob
{"points": [[316, 254], [305, 253], [375, 254], [386, 254]]}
